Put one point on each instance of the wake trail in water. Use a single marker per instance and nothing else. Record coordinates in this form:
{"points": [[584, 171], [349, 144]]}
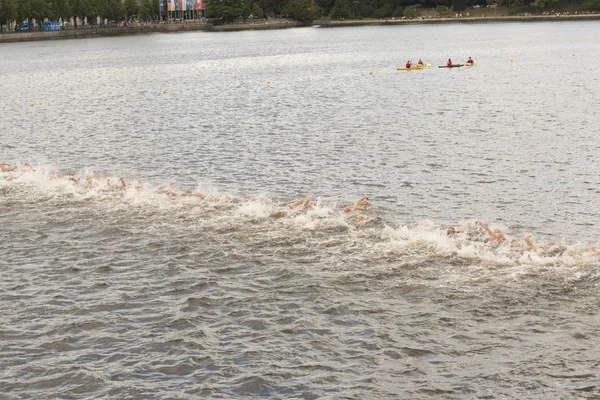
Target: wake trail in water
{"points": [[285, 224]]}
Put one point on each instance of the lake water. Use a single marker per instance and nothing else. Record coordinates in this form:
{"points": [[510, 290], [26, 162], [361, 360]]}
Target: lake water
{"points": [[142, 289]]}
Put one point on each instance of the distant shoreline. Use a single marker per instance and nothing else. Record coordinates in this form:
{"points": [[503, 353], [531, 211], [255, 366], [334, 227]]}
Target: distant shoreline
{"points": [[89, 32]]}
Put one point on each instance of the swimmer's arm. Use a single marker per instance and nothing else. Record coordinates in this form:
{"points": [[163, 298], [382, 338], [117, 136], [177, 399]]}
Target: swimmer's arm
{"points": [[487, 229], [528, 242], [98, 174]]}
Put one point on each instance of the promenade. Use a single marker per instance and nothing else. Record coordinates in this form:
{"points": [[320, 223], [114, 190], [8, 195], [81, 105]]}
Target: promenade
{"points": [[90, 31]]}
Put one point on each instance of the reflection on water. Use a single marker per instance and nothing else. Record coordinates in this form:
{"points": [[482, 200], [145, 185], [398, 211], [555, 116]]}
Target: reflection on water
{"points": [[143, 289]]}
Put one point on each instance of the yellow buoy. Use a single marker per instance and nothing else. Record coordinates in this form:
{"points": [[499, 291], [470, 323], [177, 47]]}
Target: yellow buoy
{"points": [[573, 55], [31, 105], [511, 60], [268, 82], [370, 73], [164, 92]]}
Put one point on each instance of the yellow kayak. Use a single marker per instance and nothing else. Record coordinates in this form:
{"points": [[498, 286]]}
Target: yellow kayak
{"points": [[411, 68]]}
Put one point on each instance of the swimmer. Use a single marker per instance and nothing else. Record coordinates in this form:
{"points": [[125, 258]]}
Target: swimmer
{"points": [[100, 175], [8, 167], [186, 194], [362, 220], [528, 243], [593, 252], [122, 185], [303, 204], [171, 194], [495, 236], [362, 203]]}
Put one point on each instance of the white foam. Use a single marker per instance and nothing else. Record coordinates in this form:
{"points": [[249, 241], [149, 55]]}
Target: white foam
{"points": [[423, 239], [259, 208]]}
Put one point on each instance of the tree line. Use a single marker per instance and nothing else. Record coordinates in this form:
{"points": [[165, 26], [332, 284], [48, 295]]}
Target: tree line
{"points": [[308, 10], [223, 11], [113, 10]]}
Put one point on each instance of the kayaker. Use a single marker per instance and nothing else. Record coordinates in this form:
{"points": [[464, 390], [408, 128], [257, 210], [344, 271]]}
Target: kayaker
{"points": [[449, 63], [408, 64], [420, 63], [469, 61]]}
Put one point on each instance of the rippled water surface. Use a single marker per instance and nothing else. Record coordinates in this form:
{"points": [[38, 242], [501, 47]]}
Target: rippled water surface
{"points": [[196, 277]]}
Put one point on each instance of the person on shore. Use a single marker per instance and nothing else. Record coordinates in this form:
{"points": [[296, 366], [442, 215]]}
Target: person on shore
{"points": [[420, 63], [408, 64], [449, 63], [470, 61]]}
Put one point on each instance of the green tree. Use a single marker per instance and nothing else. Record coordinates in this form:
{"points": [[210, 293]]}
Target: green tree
{"points": [[398, 12], [23, 11], [386, 11], [228, 10], [81, 9], [326, 5], [131, 8], [300, 10], [257, 12], [510, 4], [545, 3], [272, 7], [342, 9], [593, 5], [115, 10], [461, 5], [62, 9], [412, 11], [246, 9], [39, 10], [150, 9], [8, 11]]}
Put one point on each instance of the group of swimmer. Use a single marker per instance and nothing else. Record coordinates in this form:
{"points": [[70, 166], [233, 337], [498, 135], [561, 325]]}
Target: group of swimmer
{"points": [[170, 191], [449, 63], [350, 214], [497, 237], [363, 204]]}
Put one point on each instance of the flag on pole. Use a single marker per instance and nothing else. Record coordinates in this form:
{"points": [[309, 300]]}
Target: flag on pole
{"points": [[162, 6], [183, 5]]}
